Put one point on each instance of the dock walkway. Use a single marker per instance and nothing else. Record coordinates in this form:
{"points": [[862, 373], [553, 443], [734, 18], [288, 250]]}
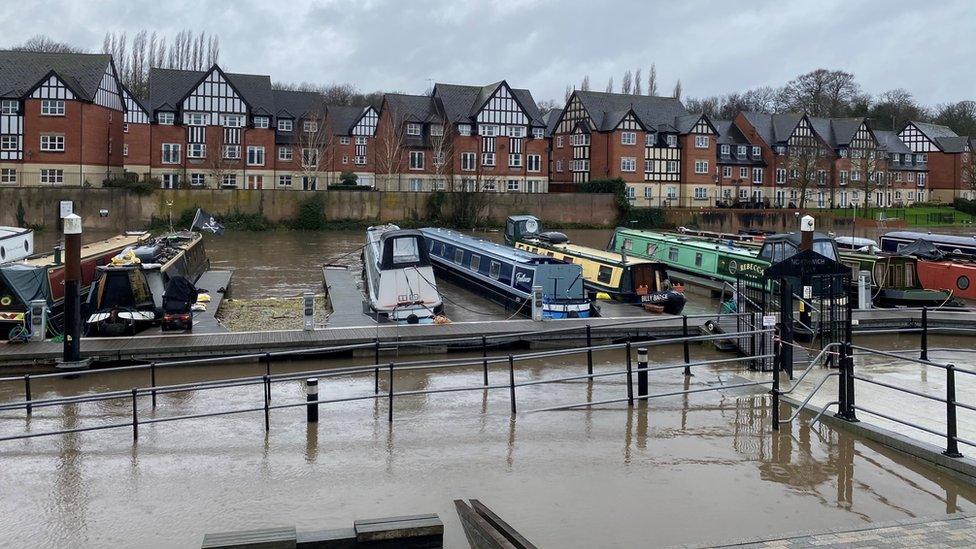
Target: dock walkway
{"points": [[345, 297]]}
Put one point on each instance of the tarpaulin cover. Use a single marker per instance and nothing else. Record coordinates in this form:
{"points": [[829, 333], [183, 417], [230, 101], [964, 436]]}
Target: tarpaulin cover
{"points": [[24, 282], [922, 249]]}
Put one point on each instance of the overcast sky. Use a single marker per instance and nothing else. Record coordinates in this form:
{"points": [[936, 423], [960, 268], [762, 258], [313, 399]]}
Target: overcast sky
{"points": [[928, 48]]}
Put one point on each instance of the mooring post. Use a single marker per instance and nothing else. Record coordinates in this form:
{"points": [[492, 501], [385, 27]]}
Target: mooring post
{"points": [[152, 381], [684, 332], [642, 373], [484, 357], [376, 380], [589, 351], [27, 393], [842, 406], [952, 446], [925, 334], [135, 415], [312, 396], [389, 412], [851, 409], [511, 381], [775, 393], [267, 403], [630, 379]]}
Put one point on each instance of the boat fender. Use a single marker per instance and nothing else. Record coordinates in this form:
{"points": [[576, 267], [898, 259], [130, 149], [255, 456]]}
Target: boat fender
{"points": [[603, 295], [413, 319]]}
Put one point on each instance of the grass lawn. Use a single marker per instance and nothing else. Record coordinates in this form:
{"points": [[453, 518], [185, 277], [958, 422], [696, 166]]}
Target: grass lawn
{"points": [[918, 216]]}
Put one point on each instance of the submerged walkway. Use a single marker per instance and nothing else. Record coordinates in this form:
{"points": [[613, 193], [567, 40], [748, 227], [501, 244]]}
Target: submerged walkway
{"points": [[952, 531]]}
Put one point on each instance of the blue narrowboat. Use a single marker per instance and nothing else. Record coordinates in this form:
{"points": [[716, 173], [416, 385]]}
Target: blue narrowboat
{"points": [[507, 275], [947, 243]]}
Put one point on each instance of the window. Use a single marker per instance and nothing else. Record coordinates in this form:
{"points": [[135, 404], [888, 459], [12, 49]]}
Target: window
{"points": [[648, 193], [628, 138], [9, 106], [310, 158], [756, 152], [701, 166], [284, 125], [285, 154], [726, 149], [672, 193], [515, 131], [495, 269], [672, 141], [535, 163], [538, 133], [628, 164], [513, 185], [920, 159], [413, 129], [844, 175], [458, 255], [8, 142], [166, 118], [515, 161], [52, 142], [310, 126], [488, 159], [361, 140], [821, 176], [743, 172], [232, 152], [488, 130], [468, 161], [910, 177], [921, 179], [436, 130], [52, 177], [8, 175], [360, 160], [255, 156], [604, 275], [843, 154], [740, 151], [672, 166], [416, 160], [727, 172], [262, 122], [559, 141], [125, 127], [649, 140], [628, 244], [579, 139], [701, 193], [672, 254], [464, 129], [125, 150], [781, 175], [198, 179], [232, 120], [743, 193], [343, 140], [197, 150], [171, 153], [701, 141], [757, 175], [559, 165], [651, 249], [229, 180], [698, 259], [345, 159], [284, 181], [52, 107], [195, 119], [780, 150], [416, 185], [475, 262], [489, 185]]}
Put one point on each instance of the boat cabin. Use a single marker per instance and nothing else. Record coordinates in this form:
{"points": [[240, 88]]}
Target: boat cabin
{"points": [[950, 244], [779, 247]]}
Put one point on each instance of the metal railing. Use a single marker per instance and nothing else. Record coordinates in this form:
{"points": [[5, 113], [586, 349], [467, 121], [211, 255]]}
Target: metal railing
{"points": [[268, 381]]}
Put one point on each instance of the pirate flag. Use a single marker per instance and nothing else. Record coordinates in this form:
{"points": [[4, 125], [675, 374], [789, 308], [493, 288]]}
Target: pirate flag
{"points": [[206, 222]]}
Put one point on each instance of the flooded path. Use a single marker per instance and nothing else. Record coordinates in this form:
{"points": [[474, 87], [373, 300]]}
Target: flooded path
{"points": [[699, 468]]}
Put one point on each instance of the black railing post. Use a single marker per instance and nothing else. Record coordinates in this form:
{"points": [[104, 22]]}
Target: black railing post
{"points": [[851, 409], [589, 351], [925, 334], [376, 380], [842, 404], [312, 396], [267, 364], [952, 445], [687, 351], [642, 373], [390, 410], [775, 393], [135, 415], [511, 381], [152, 381], [376, 353], [27, 393], [630, 379], [267, 403], [484, 357]]}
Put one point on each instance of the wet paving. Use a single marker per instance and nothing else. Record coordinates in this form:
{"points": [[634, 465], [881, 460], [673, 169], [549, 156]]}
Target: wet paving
{"points": [[696, 468]]}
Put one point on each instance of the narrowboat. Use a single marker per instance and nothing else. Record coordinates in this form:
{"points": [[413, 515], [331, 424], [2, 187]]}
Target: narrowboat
{"points": [[508, 275], [937, 269], [627, 279], [127, 296], [15, 243], [398, 275], [41, 277], [950, 244]]}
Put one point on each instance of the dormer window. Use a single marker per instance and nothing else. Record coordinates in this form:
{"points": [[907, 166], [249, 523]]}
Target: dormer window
{"points": [[650, 140], [756, 151], [9, 106], [285, 124], [516, 131], [310, 126], [488, 130], [741, 151], [672, 141], [166, 118], [726, 150], [843, 153], [464, 129], [413, 129], [538, 133], [195, 118], [781, 150], [261, 122], [436, 130], [232, 120]]}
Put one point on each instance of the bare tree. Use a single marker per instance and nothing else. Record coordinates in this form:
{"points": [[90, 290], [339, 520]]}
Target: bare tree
{"points": [[627, 82], [43, 44], [638, 84], [221, 158], [652, 80], [805, 162], [821, 93], [548, 105], [568, 94], [389, 143], [969, 173], [148, 51], [677, 90], [610, 85], [585, 85], [314, 143], [867, 171]]}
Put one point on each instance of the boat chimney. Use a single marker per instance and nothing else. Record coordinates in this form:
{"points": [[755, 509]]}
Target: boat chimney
{"points": [[623, 255], [806, 233], [57, 254]]}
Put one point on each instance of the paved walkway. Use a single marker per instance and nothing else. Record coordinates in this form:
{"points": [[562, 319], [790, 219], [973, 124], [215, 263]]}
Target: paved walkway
{"points": [[952, 531]]}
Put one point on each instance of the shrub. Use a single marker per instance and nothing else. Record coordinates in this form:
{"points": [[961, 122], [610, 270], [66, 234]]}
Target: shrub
{"points": [[348, 178], [131, 183], [616, 187], [311, 214]]}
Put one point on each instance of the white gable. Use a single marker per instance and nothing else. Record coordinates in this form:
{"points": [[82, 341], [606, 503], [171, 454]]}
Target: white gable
{"points": [[502, 108], [214, 95], [134, 113], [916, 140], [108, 91], [367, 124], [53, 88]]}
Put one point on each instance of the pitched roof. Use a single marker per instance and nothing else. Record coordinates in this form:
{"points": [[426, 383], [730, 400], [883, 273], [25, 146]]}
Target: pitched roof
{"points": [[952, 144], [934, 130], [168, 86], [297, 104], [551, 118], [462, 103], [729, 133], [891, 142], [415, 108], [20, 71], [343, 118], [843, 130], [655, 113]]}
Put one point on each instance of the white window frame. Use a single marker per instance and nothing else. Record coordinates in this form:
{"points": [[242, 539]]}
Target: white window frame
{"points": [[414, 129], [285, 154], [534, 163], [727, 172], [701, 193], [52, 107], [285, 180], [726, 149], [285, 124], [195, 119], [559, 141], [672, 166], [255, 155], [196, 150], [229, 180], [198, 179], [9, 142], [125, 150], [743, 172], [488, 130], [52, 142], [756, 151], [52, 176], [231, 152], [8, 175], [781, 176], [262, 122], [343, 140], [166, 118], [125, 127], [464, 129], [417, 160], [757, 175], [514, 160], [310, 126], [514, 186], [628, 138], [701, 141], [701, 166], [517, 132], [538, 133], [488, 159], [469, 161], [9, 106], [232, 120], [171, 153], [628, 164], [672, 141]]}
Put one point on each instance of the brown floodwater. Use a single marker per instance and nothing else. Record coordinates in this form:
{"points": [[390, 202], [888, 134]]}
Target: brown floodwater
{"points": [[698, 468]]}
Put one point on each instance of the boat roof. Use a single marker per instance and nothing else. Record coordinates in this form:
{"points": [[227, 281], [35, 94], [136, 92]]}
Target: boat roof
{"points": [[710, 245], [6, 231], [487, 246], [855, 241], [945, 238], [593, 253], [796, 238], [95, 248]]}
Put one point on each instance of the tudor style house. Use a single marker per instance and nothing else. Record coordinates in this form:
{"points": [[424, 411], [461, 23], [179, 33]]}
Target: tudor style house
{"points": [[664, 154], [354, 142], [945, 153], [741, 168], [61, 117], [475, 138]]}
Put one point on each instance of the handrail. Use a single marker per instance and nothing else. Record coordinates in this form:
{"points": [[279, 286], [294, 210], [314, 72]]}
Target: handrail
{"points": [[810, 396], [809, 367]]}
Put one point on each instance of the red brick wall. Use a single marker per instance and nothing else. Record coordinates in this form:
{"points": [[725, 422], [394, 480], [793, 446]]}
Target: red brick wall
{"points": [[565, 154], [87, 128], [689, 154], [139, 140], [945, 170]]}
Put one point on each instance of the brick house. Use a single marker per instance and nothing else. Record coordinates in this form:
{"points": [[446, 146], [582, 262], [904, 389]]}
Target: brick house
{"points": [[61, 117], [353, 137], [741, 169], [944, 152]]}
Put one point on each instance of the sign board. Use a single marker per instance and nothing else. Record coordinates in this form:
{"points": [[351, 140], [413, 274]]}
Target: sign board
{"points": [[67, 208], [769, 321], [806, 263], [807, 292]]}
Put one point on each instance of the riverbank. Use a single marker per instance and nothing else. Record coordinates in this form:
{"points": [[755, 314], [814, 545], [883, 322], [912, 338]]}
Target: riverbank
{"points": [[272, 313]]}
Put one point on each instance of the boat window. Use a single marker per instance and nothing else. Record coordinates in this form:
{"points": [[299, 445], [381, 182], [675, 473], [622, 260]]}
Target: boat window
{"points": [[405, 250], [604, 275], [567, 259], [495, 270], [628, 244], [910, 275], [458, 255], [698, 259], [651, 248], [962, 282], [431, 246], [445, 251], [672, 254], [550, 254], [825, 248], [475, 262]]}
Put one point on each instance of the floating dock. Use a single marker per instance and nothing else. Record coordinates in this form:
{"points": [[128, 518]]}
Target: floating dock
{"points": [[347, 300]]}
